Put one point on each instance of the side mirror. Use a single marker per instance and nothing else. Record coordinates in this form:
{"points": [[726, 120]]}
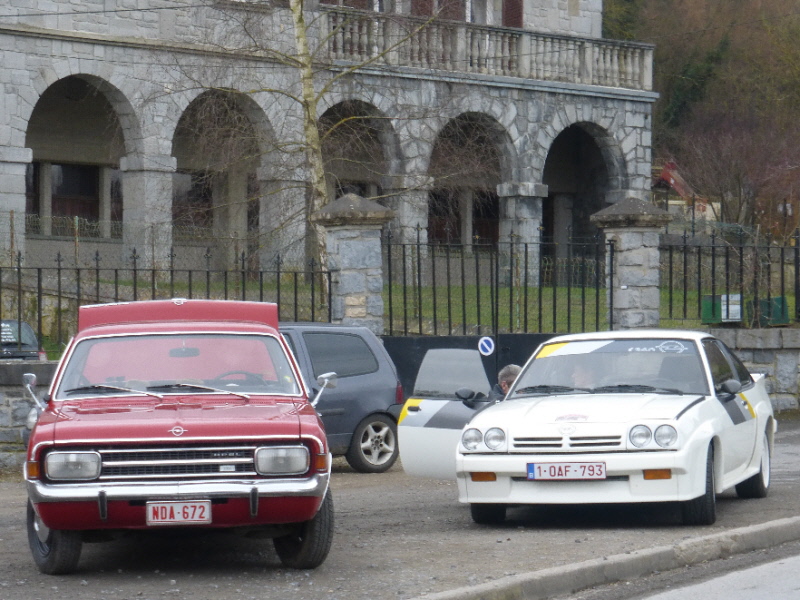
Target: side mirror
{"points": [[29, 383], [731, 387], [465, 394], [326, 380]]}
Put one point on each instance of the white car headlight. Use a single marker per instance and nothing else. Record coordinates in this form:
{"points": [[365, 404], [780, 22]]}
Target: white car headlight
{"points": [[33, 417], [471, 438], [640, 436], [72, 466], [282, 460], [666, 436], [495, 438]]}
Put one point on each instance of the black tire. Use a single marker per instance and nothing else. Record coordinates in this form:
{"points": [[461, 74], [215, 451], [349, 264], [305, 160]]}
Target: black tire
{"points": [[703, 509], [757, 486], [488, 514], [308, 546], [55, 552], [373, 448]]}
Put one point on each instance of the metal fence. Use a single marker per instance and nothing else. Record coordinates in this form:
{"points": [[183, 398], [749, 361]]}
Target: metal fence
{"points": [[453, 289], [729, 281], [49, 298]]}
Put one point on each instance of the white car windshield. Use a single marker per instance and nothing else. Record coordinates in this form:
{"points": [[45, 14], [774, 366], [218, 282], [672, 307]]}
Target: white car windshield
{"points": [[177, 364], [614, 366]]}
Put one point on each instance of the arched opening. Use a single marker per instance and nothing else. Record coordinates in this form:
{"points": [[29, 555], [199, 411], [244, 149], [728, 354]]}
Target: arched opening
{"points": [[463, 205], [354, 137], [216, 189], [577, 178], [73, 185]]}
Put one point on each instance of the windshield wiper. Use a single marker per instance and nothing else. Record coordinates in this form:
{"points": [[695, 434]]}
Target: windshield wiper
{"points": [[549, 389], [635, 388], [195, 386], [103, 388]]}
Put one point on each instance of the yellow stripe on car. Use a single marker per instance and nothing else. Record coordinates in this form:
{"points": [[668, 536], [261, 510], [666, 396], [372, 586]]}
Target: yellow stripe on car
{"points": [[404, 412], [748, 405]]}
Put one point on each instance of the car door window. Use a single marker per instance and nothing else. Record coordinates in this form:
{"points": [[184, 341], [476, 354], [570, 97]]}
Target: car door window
{"points": [[345, 354], [720, 367], [740, 371]]}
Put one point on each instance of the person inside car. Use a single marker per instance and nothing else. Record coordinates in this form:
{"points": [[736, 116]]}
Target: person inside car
{"points": [[505, 378]]}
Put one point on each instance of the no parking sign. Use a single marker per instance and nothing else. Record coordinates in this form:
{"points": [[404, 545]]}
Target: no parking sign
{"points": [[486, 346]]}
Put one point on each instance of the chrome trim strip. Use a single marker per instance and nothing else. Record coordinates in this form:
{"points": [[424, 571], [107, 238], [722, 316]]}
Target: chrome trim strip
{"points": [[316, 485]]}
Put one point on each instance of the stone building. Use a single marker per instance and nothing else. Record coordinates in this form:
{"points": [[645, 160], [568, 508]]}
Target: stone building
{"points": [[168, 126]]}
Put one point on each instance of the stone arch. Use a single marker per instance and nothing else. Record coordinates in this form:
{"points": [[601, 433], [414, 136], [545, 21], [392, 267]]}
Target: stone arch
{"points": [[78, 130], [582, 165], [360, 149], [472, 155], [227, 161]]}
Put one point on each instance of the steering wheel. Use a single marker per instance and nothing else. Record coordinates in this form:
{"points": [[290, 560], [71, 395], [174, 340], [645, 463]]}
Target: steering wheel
{"points": [[247, 377]]}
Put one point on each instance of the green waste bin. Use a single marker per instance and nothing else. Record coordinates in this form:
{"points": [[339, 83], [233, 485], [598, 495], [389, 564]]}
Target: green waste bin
{"points": [[724, 308], [771, 312]]}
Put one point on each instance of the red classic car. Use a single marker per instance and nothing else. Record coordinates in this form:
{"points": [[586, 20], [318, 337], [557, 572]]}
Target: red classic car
{"points": [[178, 413]]}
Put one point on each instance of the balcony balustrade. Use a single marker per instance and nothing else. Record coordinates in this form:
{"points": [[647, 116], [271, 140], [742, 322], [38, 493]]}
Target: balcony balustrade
{"points": [[403, 41]]}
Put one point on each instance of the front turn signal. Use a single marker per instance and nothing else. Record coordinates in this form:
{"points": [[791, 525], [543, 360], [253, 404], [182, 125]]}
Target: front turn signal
{"points": [[483, 476], [650, 474]]}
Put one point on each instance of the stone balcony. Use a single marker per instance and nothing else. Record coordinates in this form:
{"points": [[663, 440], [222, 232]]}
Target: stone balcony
{"points": [[396, 40]]}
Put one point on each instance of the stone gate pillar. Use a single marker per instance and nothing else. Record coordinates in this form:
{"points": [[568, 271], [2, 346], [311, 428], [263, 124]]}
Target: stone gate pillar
{"points": [[634, 226], [353, 242]]}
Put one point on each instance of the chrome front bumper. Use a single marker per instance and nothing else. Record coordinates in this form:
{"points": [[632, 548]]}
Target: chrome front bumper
{"points": [[39, 491]]}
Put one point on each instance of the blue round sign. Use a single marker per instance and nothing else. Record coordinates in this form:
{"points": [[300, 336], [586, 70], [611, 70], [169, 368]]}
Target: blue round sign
{"points": [[486, 346]]}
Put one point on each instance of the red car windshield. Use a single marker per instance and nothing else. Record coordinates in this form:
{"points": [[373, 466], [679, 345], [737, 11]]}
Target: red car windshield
{"points": [[165, 364]]}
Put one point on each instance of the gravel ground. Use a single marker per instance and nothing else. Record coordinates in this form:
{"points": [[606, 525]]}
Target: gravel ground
{"points": [[396, 537]]}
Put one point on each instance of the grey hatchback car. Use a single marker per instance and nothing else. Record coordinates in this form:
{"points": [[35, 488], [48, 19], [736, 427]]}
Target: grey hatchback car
{"points": [[360, 413]]}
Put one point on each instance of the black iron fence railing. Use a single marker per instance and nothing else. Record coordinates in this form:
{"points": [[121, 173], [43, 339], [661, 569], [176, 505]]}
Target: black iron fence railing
{"points": [[729, 281], [494, 288], [49, 298]]}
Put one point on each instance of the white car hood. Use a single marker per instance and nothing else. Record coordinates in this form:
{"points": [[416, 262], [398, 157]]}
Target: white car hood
{"points": [[585, 408]]}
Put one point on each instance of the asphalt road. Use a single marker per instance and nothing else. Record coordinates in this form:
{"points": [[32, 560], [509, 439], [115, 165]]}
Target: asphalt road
{"points": [[402, 537]]}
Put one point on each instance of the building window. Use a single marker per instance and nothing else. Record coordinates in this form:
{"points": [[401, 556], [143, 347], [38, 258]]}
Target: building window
{"points": [[32, 189], [192, 200], [373, 5], [453, 10], [512, 13], [444, 217], [76, 191]]}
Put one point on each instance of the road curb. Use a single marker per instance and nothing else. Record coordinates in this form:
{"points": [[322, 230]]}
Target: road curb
{"points": [[567, 579]]}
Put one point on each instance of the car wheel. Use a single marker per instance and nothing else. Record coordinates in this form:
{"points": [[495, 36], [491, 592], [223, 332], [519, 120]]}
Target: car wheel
{"points": [[488, 514], [757, 486], [55, 552], [703, 509], [373, 448], [308, 546]]}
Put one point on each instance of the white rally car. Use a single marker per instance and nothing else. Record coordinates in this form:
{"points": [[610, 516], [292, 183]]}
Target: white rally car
{"points": [[606, 417]]}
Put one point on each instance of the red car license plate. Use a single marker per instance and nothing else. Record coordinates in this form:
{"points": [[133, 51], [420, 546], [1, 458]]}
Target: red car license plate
{"points": [[179, 513], [566, 471]]}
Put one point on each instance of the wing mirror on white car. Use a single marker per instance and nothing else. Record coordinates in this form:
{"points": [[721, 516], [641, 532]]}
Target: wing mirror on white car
{"points": [[730, 387], [326, 380]]}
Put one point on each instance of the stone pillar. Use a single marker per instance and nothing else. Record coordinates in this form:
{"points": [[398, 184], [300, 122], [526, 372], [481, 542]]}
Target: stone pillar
{"points": [[521, 220], [521, 210], [407, 196], [147, 208], [13, 163], [353, 244], [634, 226]]}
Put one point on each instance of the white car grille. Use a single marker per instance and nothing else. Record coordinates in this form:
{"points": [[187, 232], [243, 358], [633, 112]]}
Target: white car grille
{"points": [[575, 443]]}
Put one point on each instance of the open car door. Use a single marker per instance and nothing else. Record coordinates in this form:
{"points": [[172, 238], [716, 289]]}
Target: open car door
{"points": [[433, 417]]}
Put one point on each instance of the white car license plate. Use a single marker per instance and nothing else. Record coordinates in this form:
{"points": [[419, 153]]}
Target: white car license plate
{"points": [[566, 471], [179, 513]]}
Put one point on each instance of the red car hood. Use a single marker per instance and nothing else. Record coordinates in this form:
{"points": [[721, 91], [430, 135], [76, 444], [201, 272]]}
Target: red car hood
{"points": [[174, 418]]}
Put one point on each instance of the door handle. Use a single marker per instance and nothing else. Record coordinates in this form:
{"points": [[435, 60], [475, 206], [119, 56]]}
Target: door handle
{"points": [[414, 408]]}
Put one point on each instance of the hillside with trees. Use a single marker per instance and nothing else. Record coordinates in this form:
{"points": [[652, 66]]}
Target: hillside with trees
{"points": [[728, 75]]}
